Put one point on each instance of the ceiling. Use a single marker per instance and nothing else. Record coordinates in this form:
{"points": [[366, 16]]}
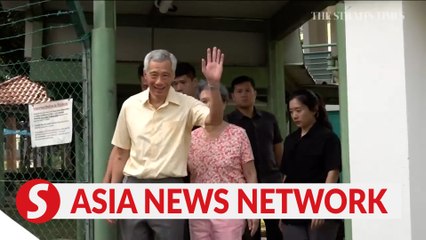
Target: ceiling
{"points": [[275, 18], [229, 9]]}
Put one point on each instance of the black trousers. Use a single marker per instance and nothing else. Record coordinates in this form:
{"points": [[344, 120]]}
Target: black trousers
{"points": [[150, 229], [328, 231], [273, 231]]}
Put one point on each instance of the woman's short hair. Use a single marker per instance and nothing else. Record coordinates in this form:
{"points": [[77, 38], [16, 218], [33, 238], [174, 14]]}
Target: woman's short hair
{"points": [[203, 85]]}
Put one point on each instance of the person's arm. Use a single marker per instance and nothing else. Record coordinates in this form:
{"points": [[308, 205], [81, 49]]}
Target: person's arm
{"points": [[278, 143], [278, 152], [282, 165], [333, 162], [249, 172], [116, 153], [120, 152], [114, 172], [332, 176], [118, 159], [108, 172], [212, 68], [333, 158]]}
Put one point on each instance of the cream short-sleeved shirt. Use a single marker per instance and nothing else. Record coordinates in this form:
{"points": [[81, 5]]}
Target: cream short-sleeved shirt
{"points": [[158, 139]]}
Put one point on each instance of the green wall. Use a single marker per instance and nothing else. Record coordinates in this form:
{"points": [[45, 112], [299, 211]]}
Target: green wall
{"points": [[57, 71], [126, 73], [334, 118]]}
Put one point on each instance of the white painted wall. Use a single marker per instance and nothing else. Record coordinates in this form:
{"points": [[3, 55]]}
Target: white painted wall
{"points": [[415, 75], [377, 107]]}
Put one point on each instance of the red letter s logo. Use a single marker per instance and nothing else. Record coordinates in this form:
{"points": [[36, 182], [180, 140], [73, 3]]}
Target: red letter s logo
{"points": [[38, 201]]}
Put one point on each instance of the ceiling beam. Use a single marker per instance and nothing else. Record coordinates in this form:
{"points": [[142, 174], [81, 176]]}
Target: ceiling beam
{"points": [[293, 15], [177, 22], [36, 9]]}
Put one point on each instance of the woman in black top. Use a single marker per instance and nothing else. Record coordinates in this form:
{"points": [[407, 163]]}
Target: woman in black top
{"points": [[312, 154]]}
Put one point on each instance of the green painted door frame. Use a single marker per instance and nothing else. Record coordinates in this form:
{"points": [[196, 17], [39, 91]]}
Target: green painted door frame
{"points": [[103, 98], [343, 102], [276, 89]]}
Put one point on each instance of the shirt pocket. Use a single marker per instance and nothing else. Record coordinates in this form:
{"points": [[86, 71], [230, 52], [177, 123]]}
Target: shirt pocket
{"points": [[171, 130]]}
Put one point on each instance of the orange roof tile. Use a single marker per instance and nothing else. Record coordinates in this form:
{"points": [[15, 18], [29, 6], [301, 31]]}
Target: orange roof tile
{"points": [[21, 90]]}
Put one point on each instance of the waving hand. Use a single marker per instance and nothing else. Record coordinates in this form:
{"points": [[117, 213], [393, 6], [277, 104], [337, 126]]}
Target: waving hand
{"points": [[212, 66]]}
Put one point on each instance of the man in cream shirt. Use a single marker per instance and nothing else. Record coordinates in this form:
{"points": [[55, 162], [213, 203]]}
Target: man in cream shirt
{"points": [[153, 133]]}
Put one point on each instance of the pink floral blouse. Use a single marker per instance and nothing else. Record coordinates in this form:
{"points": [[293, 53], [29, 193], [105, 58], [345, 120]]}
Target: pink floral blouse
{"points": [[219, 160]]}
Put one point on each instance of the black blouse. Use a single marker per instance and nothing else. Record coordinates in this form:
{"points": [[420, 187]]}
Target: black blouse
{"points": [[308, 159]]}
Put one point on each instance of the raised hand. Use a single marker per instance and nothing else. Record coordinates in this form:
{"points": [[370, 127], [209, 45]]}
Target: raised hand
{"points": [[212, 66]]}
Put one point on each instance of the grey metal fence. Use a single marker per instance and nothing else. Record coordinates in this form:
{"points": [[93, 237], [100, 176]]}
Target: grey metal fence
{"points": [[36, 65]]}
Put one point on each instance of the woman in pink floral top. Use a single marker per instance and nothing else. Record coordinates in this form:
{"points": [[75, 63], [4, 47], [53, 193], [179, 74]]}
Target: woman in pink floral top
{"points": [[220, 154]]}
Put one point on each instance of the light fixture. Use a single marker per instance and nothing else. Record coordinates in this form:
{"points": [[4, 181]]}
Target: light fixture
{"points": [[165, 6]]}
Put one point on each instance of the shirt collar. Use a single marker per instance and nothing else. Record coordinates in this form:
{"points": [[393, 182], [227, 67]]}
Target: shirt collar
{"points": [[240, 116], [257, 113], [172, 96], [311, 131]]}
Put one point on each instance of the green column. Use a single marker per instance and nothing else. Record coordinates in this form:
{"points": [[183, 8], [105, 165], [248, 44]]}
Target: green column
{"points": [[103, 97], [276, 95], [343, 102]]}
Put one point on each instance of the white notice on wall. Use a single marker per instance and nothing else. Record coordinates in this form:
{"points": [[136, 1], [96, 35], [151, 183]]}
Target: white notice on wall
{"points": [[51, 123]]}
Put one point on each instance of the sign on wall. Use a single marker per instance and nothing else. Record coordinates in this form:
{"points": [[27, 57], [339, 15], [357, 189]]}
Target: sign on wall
{"points": [[51, 123]]}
